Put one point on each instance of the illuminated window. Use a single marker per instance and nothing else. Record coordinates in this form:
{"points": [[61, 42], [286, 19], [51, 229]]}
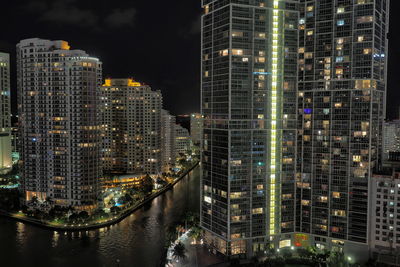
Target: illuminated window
{"points": [[356, 158], [360, 38], [335, 194], [261, 35], [309, 33], [207, 199], [285, 243], [340, 10], [260, 59], [340, 213], [237, 52], [340, 22], [258, 211], [206, 9], [365, 19], [224, 52], [237, 34], [338, 105], [308, 55], [367, 51]]}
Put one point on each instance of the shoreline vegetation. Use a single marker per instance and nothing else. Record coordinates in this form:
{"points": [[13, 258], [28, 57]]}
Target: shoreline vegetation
{"points": [[113, 219]]}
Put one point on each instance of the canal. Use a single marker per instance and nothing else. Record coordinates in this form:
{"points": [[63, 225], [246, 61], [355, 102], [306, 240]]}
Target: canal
{"points": [[138, 240]]}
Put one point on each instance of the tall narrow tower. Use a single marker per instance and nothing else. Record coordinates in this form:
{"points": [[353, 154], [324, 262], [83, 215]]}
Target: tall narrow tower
{"points": [[342, 90], [249, 86], [59, 112], [5, 114]]}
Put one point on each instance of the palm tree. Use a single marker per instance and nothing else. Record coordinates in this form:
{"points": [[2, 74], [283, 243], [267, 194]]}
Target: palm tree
{"points": [[337, 258], [179, 251], [34, 200], [49, 201], [195, 232]]}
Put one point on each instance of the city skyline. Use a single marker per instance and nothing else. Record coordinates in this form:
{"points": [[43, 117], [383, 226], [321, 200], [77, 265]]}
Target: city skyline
{"points": [[286, 150]]}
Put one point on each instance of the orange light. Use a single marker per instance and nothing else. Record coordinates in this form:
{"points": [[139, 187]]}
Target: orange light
{"points": [[131, 82], [107, 82]]}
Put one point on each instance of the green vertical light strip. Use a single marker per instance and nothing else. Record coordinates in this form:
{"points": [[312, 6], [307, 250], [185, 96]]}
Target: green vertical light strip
{"points": [[274, 103]]}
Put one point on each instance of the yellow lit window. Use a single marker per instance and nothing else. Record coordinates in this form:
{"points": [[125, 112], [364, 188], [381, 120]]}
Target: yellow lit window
{"points": [[237, 52], [367, 51]]}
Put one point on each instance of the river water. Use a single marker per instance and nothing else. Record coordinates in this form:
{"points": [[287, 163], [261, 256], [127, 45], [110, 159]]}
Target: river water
{"points": [[137, 241]]}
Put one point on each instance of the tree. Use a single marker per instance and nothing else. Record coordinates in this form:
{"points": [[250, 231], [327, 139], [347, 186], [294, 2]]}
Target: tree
{"points": [[171, 235], [147, 184], [34, 200], [111, 202], [337, 258], [179, 251], [128, 198], [195, 232], [115, 209], [83, 215], [49, 201], [161, 181]]}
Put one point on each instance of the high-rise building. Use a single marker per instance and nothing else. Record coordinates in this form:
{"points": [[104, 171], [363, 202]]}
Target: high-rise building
{"points": [[341, 96], [293, 97], [168, 151], [249, 86], [131, 119], [182, 140], [59, 122], [391, 138], [196, 128], [5, 114], [385, 216]]}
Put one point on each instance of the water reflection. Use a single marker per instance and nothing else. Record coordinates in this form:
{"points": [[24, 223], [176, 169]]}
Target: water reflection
{"points": [[136, 241]]}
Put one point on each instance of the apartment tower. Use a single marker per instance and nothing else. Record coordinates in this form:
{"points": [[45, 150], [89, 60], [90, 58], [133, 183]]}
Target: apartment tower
{"points": [[293, 96], [196, 128], [59, 108], [5, 114], [341, 97], [131, 119], [249, 88], [168, 152]]}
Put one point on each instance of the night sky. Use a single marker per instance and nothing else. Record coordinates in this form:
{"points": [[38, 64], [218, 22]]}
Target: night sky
{"points": [[156, 42]]}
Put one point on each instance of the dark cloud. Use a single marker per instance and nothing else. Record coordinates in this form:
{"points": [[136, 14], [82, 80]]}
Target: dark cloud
{"points": [[120, 18], [72, 12], [65, 12]]}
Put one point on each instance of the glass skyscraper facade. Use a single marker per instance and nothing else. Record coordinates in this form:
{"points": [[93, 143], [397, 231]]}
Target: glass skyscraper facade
{"points": [[342, 90], [249, 85], [293, 97]]}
